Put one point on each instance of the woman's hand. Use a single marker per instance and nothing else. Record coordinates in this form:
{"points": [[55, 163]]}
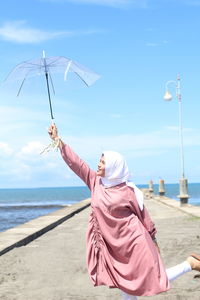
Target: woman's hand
{"points": [[53, 132], [156, 243]]}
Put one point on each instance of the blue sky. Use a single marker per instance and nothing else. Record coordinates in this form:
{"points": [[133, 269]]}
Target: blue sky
{"points": [[136, 46]]}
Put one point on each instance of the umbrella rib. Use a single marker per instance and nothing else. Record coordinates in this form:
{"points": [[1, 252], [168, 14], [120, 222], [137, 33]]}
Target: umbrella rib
{"points": [[21, 86], [31, 66], [29, 63], [81, 78], [54, 61]]}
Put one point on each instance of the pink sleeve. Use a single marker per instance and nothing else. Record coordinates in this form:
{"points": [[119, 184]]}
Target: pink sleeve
{"points": [[78, 166], [143, 217], [147, 222]]}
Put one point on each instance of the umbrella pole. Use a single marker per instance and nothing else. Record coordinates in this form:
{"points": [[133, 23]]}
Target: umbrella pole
{"points": [[49, 96]]}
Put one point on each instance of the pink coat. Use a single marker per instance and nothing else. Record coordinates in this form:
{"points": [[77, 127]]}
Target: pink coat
{"points": [[120, 250]]}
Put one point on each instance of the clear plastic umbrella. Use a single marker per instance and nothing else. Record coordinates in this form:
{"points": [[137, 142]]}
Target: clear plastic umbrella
{"points": [[47, 66]]}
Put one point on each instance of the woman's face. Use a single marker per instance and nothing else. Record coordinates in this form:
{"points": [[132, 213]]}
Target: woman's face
{"points": [[101, 167]]}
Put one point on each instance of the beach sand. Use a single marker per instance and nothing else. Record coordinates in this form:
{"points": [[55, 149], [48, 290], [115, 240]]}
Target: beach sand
{"points": [[53, 267]]}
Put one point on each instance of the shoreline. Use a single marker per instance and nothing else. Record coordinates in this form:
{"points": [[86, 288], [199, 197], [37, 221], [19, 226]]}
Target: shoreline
{"points": [[25, 233]]}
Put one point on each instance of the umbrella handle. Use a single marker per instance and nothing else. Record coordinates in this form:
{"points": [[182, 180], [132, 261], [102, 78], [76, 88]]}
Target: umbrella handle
{"points": [[52, 123]]}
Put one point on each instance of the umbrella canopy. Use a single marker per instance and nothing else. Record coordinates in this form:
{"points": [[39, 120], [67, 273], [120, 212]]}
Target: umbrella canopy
{"points": [[47, 66]]}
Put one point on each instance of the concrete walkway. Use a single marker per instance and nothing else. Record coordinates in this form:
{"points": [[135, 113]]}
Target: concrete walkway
{"points": [[52, 267], [25, 233]]}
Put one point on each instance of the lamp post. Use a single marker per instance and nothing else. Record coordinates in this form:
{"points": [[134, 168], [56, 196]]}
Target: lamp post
{"points": [[168, 97]]}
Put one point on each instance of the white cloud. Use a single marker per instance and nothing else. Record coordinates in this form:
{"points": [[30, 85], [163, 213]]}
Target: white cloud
{"points": [[183, 2], [151, 44], [143, 4], [18, 32], [176, 128], [20, 172], [104, 2], [26, 167], [141, 145], [172, 128], [108, 3], [32, 148], [17, 114], [5, 149]]}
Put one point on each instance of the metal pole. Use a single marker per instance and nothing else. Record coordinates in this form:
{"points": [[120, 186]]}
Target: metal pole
{"points": [[180, 126], [183, 181], [47, 82], [48, 90]]}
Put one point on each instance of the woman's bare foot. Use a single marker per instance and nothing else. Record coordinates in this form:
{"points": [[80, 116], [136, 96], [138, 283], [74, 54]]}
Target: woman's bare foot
{"points": [[194, 261]]}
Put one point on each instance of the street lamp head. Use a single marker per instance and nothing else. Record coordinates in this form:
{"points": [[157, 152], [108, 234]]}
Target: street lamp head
{"points": [[167, 96]]}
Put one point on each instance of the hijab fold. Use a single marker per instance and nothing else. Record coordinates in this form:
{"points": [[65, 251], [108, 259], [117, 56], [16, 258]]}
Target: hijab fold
{"points": [[116, 172]]}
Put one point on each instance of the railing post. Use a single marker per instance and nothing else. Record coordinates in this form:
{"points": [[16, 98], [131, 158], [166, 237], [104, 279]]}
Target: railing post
{"points": [[161, 187]]}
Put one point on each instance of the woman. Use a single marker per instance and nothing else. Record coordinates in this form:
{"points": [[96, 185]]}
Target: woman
{"points": [[122, 251]]}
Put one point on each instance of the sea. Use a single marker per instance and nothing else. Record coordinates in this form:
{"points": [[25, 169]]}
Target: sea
{"points": [[18, 206]]}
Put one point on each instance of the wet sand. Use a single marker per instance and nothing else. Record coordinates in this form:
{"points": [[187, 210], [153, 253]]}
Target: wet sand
{"points": [[52, 267]]}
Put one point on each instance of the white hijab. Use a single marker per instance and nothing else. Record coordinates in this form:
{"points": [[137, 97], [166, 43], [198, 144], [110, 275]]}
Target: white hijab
{"points": [[116, 172]]}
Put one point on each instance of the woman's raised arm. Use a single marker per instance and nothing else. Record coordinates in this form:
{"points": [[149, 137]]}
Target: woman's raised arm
{"points": [[75, 163]]}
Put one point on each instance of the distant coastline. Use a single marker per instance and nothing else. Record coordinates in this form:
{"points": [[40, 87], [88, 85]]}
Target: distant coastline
{"points": [[20, 205]]}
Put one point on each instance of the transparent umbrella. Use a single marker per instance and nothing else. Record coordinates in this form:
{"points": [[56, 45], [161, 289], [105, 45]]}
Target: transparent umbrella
{"points": [[46, 66]]}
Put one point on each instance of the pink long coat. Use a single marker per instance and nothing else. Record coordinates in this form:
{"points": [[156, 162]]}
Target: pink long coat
{"points": [[120, 250]]}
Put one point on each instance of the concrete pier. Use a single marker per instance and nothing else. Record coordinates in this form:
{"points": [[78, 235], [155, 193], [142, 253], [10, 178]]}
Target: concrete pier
{"points": [[161, 189], [53, 265], [25, 233], [183, 196], [151, 186]]}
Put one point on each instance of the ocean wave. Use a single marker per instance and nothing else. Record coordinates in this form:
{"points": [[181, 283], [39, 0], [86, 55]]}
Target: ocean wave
{"points": [[31, 206]]}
